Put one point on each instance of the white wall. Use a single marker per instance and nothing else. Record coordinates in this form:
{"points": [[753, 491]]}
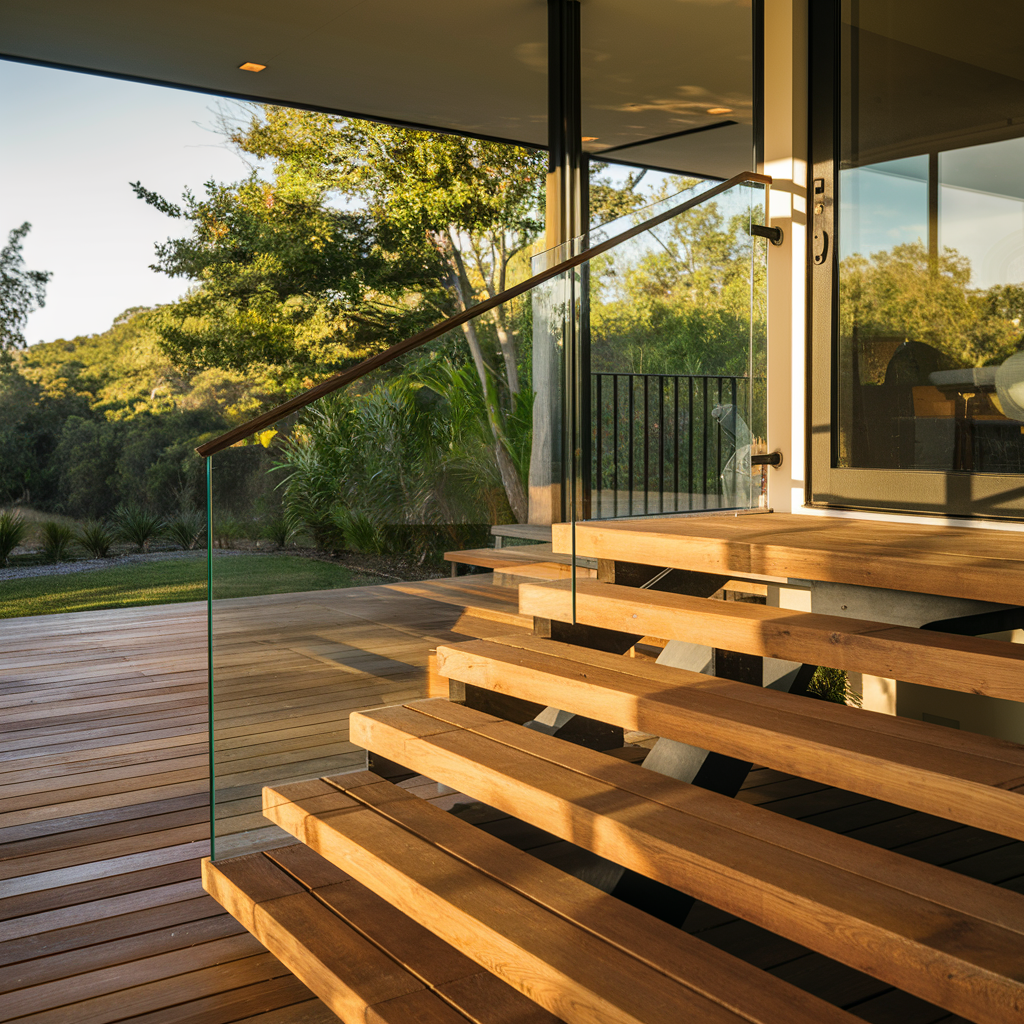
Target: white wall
{"points": [[785, 159]]}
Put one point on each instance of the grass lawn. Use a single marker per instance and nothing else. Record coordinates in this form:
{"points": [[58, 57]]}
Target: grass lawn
{"points": [[166, 582]]}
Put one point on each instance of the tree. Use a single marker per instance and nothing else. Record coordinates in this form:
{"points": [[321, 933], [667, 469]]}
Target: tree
{"points": [[678, 300], [364, 235], [906, 292], [21, 292]]}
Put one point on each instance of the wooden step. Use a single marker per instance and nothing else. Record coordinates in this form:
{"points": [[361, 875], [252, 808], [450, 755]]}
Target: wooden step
{"points": [[582, 954], [522, 531], [943, 937], [972, 664], [544, 571], [366, 960], [506, 559], [979, 565], [972, 779]]}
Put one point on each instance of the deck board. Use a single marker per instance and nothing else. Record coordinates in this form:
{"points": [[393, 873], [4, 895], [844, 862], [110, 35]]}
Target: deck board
{"points": [[101, 873], [103, 784]]}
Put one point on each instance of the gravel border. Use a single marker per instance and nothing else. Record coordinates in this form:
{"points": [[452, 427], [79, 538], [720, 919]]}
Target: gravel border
{"points": [[27, 572], [387, 568]]}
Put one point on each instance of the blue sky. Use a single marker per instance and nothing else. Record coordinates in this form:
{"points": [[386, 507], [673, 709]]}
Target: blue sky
{"points": [[72, 144]]}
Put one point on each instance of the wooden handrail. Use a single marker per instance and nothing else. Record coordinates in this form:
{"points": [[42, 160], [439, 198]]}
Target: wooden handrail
{"points": [[339, 380]]}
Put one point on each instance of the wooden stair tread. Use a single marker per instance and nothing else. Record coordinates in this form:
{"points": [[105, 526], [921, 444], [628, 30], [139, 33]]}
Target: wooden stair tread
{"points": [[365, 959], [969, 778], [581, 953], [548, 571], [523, 531], [506, 559], [943, 937], [991, 667], [981, 565]]}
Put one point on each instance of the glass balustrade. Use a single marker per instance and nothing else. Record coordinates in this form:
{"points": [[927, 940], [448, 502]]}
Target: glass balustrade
{"points": [[353, 537], [329, 583], [669, 337]]}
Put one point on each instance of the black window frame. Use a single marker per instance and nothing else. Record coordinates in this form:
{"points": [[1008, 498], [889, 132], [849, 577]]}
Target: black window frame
{"points": [[913, 491]]}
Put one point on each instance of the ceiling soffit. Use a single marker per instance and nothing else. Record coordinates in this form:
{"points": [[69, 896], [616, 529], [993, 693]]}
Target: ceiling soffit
{"points": [[649, 69]]}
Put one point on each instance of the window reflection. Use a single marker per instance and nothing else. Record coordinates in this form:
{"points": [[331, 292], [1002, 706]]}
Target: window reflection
{"points": [[931, 239]]}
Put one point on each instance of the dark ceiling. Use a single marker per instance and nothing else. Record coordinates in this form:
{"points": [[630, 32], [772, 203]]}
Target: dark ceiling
{"points": [[650, 68]]}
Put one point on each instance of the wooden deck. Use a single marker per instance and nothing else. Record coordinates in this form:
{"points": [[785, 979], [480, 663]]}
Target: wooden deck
{"points": [[104, 788], [104, 802]]}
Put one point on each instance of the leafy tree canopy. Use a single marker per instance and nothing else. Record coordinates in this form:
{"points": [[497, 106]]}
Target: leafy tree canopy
{"points": [[905, 292], [354, 241], [21, 291]]}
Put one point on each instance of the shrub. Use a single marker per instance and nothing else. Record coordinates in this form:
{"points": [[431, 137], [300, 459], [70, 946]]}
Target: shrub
{"points": [[360, 531], [832, 685], [227, 529], [281, 532], [96, 537], [57, 541], [186, 528], [137, 525], [12, 531]]}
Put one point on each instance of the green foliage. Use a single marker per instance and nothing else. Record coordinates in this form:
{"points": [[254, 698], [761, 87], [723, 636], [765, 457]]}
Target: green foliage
{"points": [[57, 540], [360, 533], [21, 292], [186, 528], [281, 531], [96, 537], [364, 235], [137, 525], [12, 532], [406, 465], [903, 292], [678, 300], [831, 684], [101, 419], [227, 528]]}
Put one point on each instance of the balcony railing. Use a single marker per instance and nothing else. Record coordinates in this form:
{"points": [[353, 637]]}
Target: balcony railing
{"points": [[661, 442]]}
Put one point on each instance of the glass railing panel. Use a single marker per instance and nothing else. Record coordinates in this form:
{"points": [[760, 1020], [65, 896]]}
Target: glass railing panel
{"points": [[330, 586], [670, 331], [669, 360]]}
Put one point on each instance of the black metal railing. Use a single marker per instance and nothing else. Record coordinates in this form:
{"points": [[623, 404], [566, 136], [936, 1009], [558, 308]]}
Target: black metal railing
{"points": [[661, 441]]}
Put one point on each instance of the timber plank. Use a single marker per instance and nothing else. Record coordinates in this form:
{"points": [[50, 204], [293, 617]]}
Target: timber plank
{"points": [[570, 971], [52, 969], [39, 901], [719, 977], [106, 980], [157, 995], [896, 919], [959, 775], [982, 565], [281, 1000], [163, 914], [991, 667]]}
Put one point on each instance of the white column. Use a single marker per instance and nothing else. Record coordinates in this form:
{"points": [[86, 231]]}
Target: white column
{"points": [[785, 159]]}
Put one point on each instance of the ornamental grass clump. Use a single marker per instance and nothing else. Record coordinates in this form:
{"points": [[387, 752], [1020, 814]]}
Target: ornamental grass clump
{"points": [[831, 684], [281, 531], [57, 541], [137, 525], [186, 528], [96, 537], [12, 532]]}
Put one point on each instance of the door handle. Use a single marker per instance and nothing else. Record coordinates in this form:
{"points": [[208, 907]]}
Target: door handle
{"points": [[822, 206]]}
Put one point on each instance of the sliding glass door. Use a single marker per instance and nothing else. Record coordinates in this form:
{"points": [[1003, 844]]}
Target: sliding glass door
{"points": [[917, 257]]}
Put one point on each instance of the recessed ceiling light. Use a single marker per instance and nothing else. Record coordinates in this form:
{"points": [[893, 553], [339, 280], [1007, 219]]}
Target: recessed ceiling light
{"points": [[720, 110], [250, 66], [590, 138]]}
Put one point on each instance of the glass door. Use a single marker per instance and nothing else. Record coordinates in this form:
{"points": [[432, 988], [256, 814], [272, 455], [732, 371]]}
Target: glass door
{"points": [[917, 256]]}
